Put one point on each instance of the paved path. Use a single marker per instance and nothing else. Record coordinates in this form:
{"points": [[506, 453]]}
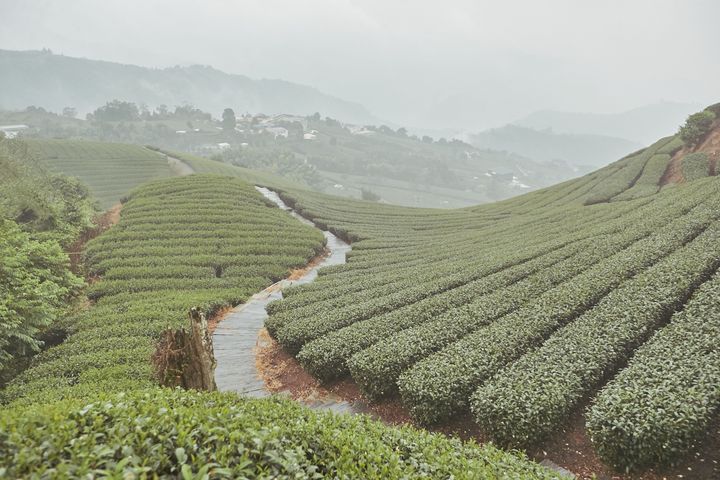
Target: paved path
{"points": [[236, 336]]}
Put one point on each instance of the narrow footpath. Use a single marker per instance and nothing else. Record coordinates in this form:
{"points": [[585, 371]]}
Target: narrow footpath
{"points": [[237, 337]]}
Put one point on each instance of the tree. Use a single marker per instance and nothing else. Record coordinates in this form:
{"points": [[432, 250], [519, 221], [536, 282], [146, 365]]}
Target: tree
{"points": [[402, 132], [116, 111], [36, 281], [696, 127], [161, 111], [427, 139], [369, 195], [69, 112], [228, 120]]}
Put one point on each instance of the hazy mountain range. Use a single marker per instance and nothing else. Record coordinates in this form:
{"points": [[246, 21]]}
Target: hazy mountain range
{"points": [[579, 150], [53, 81], [643, 124]]}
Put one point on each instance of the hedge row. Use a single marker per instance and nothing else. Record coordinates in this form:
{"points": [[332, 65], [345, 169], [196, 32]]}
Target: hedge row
{"points": [[661, 406], [148, 288], [159, 433], [441, 384], [532, 398]]}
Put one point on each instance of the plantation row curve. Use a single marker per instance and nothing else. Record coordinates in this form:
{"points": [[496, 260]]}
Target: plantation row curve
{"points": [[207, 241]]}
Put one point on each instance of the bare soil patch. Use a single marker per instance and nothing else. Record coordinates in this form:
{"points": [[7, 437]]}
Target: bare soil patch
{"points": [[709, 146], [217, 317], [673, 173], [101, 223], [298, 273], [570, 447]]}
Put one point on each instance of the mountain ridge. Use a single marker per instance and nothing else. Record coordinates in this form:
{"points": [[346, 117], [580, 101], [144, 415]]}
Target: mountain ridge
{"points": [[60, 81]]}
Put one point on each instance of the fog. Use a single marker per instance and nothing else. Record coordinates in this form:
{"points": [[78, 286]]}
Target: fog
{"points": [[451, 64]]}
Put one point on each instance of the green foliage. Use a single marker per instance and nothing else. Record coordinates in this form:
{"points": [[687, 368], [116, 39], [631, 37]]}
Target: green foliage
{"points": [[47, 205], [715, 108], [228, 120], [203, 241], [523, 403], [663, 404], [695, 166], [163, 433], [369, 195], [35, 281], [110, 170], [116, 111], [697, 127], [624, 174]]}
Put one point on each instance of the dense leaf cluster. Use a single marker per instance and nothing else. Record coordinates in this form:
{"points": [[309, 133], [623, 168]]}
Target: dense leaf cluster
{"points": [[159, 433], [201, 240], [664, 402]]}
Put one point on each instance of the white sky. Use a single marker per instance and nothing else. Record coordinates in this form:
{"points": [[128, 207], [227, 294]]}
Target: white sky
{"points": [[420, 63]]}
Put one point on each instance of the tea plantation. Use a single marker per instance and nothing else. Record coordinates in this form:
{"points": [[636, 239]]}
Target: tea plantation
{"points": [[598, 295], [520, 312], [111, 170], [90, 407]]}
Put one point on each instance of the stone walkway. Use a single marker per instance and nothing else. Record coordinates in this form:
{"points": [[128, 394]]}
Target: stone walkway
{"points": [[236, 336]]}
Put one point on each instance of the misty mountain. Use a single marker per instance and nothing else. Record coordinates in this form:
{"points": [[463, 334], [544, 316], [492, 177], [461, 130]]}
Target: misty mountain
{"points": [[578, 150], [55, 81], [643, 124]]}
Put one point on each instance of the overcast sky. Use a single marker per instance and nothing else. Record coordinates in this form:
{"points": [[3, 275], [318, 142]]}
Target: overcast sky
{"points": [[471, 63]]}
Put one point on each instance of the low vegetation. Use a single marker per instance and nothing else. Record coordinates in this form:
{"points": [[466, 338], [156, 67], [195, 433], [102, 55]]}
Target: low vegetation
{"points": [[697, 126], [203, 241], [109, 170], [209, 241], [518, 311], [201, 435], [40, 213]]}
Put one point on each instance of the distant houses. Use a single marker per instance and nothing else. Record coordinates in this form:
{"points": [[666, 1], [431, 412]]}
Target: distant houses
{"points": [[12, 131]]}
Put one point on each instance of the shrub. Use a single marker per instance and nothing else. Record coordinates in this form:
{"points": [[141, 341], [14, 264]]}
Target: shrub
{"points": [[695, 166], [161, 433], [696, 127]]}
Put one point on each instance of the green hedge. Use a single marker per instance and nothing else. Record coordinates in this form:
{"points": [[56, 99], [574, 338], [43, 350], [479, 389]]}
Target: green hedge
{"points": [[533, 397], [695, 166], [159, 433], [662, 405]]}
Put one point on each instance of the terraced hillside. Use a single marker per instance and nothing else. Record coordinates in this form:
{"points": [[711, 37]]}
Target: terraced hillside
{"points": [[110, 170], [90, 406], [203, 241], [521, 311], [598, 294]]}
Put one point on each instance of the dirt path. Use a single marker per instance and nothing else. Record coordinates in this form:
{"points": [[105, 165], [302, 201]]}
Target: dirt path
{"points": [[179, 167], [101, 223]]}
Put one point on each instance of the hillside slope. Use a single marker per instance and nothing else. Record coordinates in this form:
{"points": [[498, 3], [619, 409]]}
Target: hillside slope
{"points": [[109, 170], [56, 81], [517, 312], [513, 316], [91, 407]]}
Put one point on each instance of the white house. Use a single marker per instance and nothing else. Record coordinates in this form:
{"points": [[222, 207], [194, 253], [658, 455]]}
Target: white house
{"points": [[285, 117], [309, 136], [278, 131], [12, 131]]}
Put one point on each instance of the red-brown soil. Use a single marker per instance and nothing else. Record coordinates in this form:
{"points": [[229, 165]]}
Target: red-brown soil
{"points": [[673, 173], [569, 448], [101, 223], [709, 146], [215, 319]]}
